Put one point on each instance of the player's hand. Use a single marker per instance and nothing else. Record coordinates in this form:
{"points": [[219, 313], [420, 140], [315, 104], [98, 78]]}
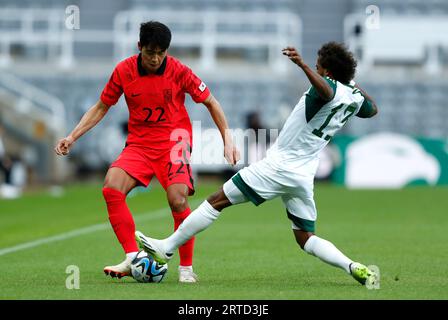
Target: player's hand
{"points": [[293, 55], [231, 154], [63, 146]]}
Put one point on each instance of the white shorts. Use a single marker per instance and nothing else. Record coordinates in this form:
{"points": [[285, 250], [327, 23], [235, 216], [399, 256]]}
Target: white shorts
{"points": [[263, 181]]}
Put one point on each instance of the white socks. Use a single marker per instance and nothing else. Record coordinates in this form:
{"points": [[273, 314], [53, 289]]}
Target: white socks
{"points": [[197, 221], [205, 214], [327, 252]]}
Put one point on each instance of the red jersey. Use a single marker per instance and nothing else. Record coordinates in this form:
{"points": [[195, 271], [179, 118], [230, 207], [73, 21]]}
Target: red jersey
{"points": [[156, 102]]}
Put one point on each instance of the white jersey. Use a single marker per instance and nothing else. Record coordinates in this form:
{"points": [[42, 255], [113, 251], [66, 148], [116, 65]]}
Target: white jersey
{"points": [[312, 124], [291, 163]]}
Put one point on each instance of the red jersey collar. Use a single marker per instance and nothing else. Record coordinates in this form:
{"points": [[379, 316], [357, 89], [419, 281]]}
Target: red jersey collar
{"points": [[142, 72]]}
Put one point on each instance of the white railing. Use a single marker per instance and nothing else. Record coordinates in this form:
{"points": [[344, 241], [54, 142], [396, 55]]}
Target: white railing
{"points": [[26, 102], [35, 102], [210, 30], [398, 38], [206, 30], [36, 27]]}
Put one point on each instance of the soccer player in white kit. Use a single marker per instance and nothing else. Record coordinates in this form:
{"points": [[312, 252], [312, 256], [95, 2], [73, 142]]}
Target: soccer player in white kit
{"points": [[290, 165]]}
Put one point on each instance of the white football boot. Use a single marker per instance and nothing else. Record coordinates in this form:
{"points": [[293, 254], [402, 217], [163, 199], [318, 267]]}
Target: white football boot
{"points": [[154, 247], [186, 275], [120, 270]]}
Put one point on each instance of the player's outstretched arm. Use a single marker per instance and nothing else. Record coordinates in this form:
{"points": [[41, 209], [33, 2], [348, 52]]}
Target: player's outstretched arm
{"points": [[371, 110], [319, 83], [231, 153], [87, 122]]}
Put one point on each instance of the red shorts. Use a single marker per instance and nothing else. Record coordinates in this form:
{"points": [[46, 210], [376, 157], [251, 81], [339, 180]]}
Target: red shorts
{"points": [[142, 164]]}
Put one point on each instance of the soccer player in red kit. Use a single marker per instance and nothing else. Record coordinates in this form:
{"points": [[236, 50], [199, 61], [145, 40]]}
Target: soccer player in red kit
{"points": [[159, 141]]}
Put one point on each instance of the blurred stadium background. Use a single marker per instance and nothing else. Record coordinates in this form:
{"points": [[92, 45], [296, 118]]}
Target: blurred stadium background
{"points": [[55, 61], [54, 64]]}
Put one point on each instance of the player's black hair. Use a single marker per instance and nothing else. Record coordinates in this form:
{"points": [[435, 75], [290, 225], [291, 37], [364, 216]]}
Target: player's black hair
{"points": [[336, 58], [155, 34]]}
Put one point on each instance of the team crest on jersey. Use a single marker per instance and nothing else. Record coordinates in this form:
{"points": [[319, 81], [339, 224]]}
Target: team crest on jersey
{"points": [[167, 94]]}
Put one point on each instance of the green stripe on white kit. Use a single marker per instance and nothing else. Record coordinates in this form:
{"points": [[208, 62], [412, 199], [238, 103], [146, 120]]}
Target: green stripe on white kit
{"points": [[303, 224], [250, 194]]}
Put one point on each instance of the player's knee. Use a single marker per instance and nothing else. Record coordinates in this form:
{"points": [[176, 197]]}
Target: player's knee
{"points": [[178, 203], [302, 237], [119, 180], [219, 200], [301, 244], [110, 184]]}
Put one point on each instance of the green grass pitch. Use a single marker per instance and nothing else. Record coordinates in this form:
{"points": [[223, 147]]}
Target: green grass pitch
{"points": [[249, 253]]}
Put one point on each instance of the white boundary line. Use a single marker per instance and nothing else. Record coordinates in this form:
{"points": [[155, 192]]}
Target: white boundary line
{"points": [[147, 216]]}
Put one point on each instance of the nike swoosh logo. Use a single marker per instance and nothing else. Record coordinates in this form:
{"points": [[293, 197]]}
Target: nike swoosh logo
{"points": [[135, 94]]}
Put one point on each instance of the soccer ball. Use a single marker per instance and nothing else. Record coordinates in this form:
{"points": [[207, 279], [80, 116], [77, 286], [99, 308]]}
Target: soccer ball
{"points": [[145, 269]]}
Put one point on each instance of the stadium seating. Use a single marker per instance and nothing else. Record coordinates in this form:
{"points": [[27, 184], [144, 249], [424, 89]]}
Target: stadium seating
{"points": [[248, 5], [404, 7], [417, 24], [413, 108], [215, 32], [398, 74]]}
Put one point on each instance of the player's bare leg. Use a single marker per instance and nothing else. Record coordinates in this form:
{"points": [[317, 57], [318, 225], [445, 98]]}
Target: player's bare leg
{"points": [[328, 253], [177, 195], [117, 185], [219, 200], [198, 220]]}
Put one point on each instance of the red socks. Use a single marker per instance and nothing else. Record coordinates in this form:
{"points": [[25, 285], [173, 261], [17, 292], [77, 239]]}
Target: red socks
{"points": [[121, 219], [124, 227], [186, 250]]}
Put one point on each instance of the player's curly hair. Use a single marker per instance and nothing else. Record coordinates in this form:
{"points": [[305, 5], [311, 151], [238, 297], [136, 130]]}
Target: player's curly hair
{"points": [[336, 58], [155, 34]]}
